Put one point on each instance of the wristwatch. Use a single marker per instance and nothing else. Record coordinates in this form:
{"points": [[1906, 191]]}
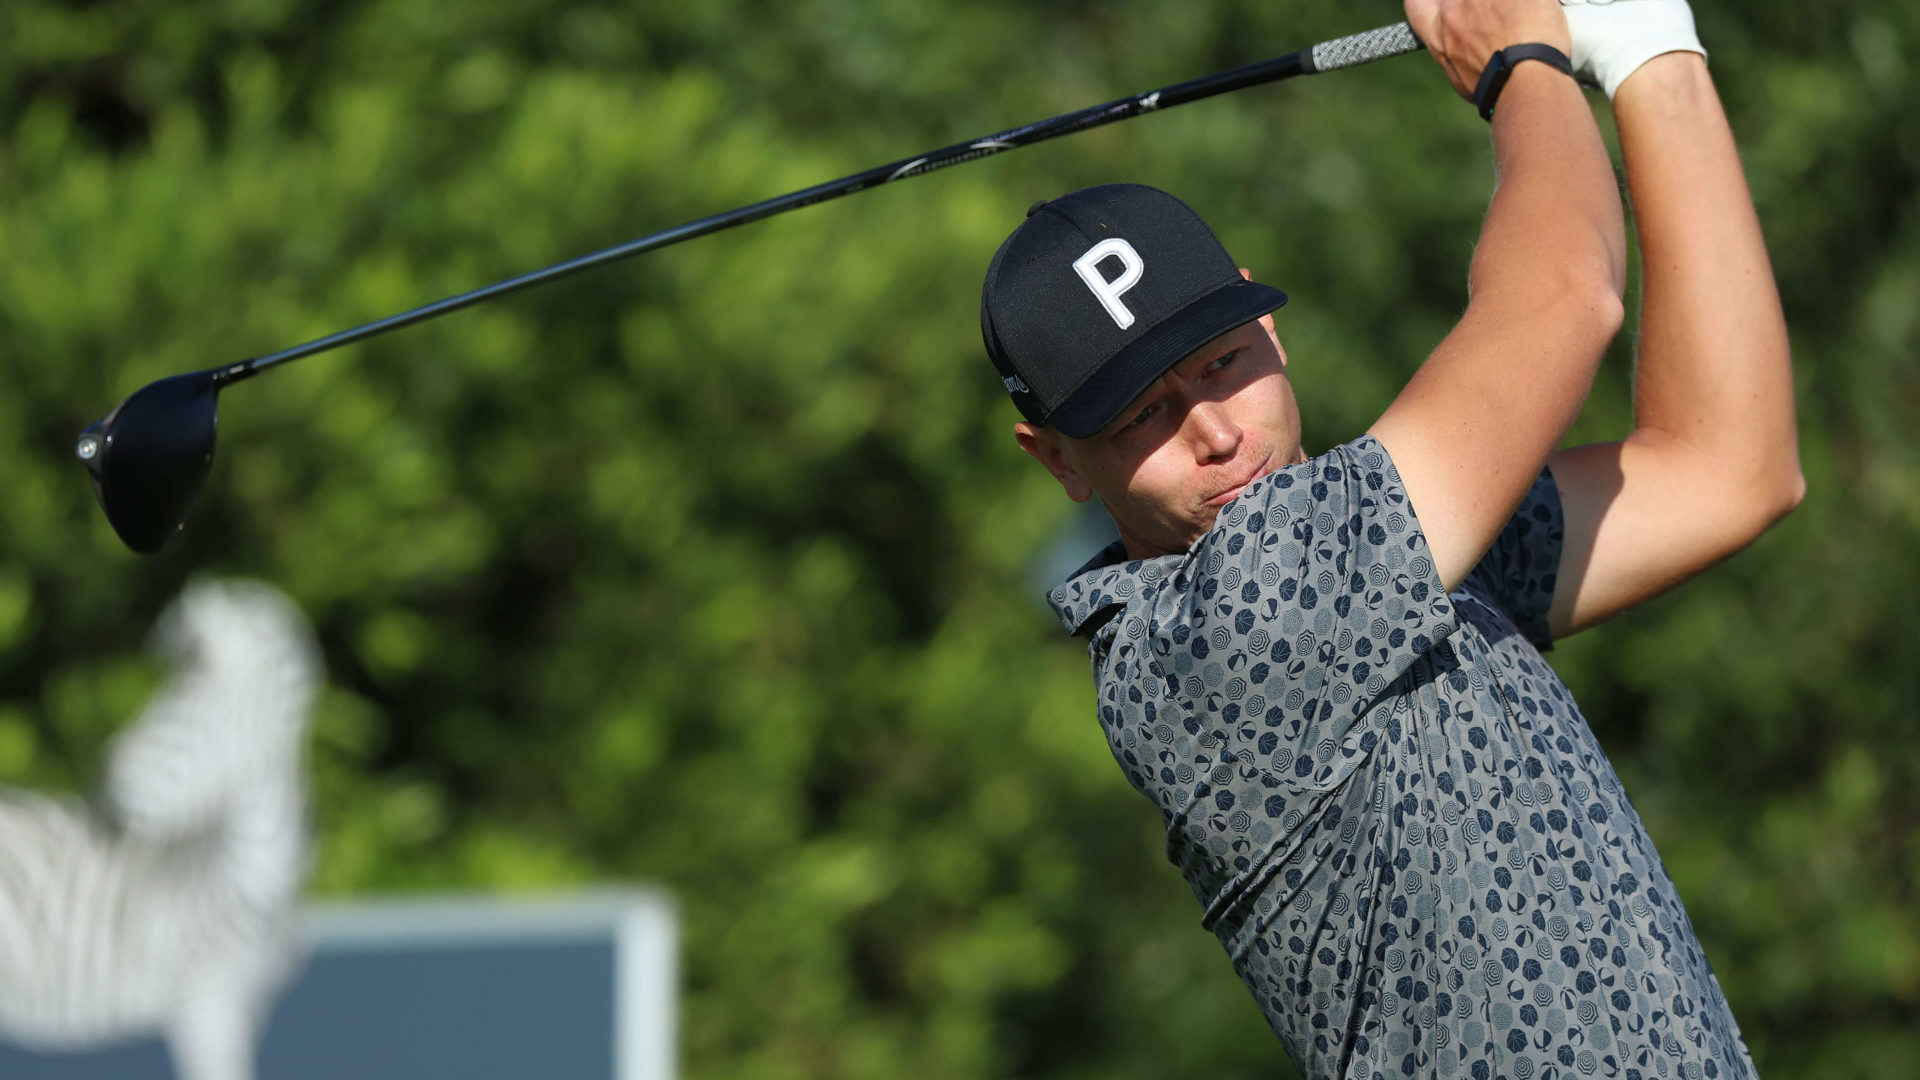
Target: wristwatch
{"points": [[1493, 78]]}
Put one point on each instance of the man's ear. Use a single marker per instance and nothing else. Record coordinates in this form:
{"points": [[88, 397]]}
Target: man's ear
{"points": [[1044, 447], [1267, 321]]}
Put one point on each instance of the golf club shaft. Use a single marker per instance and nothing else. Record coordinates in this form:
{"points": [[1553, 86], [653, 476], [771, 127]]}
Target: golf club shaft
{"points": [[1327, 56]]}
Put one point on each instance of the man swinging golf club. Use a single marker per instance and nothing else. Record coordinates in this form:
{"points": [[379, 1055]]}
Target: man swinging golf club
{"points": [[1324, 671]]}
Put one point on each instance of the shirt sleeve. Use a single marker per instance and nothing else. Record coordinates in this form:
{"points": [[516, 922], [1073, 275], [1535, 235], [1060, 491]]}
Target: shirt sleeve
{"points": [[1521, 568], [1311, 596]]}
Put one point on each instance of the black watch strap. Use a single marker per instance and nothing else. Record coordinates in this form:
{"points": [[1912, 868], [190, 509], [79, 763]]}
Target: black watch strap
{"points": [[1493, 78]]}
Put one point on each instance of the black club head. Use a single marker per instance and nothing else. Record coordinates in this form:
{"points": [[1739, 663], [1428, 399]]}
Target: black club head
{"points": [[149, 457]]}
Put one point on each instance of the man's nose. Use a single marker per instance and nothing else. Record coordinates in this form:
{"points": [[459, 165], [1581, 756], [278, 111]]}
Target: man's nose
{"points": [[1212, 431]]}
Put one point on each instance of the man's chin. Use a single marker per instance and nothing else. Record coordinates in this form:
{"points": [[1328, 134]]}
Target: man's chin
{"points": [[1268, 463]]}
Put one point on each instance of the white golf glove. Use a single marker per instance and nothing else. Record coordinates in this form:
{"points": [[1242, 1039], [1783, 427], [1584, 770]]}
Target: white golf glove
{"points": [[1612, 38]]}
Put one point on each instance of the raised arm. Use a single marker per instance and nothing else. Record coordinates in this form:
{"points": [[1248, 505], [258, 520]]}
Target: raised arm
{"points": [[1712, 460], [1472, 429]]}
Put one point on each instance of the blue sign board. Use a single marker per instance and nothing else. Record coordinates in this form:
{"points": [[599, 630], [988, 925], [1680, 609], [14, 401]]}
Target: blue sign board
{"points": [[465, 988]]}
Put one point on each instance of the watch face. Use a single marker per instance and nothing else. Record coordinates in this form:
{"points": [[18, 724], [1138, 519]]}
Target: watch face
{"points": [[1492, 78], [1500, 68]]}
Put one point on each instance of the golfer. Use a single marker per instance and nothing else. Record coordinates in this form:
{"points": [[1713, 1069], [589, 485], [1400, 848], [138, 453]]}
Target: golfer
{"points": [[1325, 671]]}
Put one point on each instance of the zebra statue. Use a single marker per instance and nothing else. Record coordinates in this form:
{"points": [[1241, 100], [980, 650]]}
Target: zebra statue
{"points": [[169, 906]]}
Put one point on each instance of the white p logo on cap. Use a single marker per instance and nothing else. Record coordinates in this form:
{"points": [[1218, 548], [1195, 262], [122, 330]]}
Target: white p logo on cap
{"points": [[1108, 292]]}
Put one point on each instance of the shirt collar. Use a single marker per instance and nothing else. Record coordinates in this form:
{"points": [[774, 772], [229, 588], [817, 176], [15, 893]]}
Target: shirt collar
{"points": [[1096, 591]]}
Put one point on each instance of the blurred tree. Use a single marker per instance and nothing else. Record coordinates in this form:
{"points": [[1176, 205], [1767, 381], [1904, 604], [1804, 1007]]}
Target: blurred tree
{"points": [[715, 569]]}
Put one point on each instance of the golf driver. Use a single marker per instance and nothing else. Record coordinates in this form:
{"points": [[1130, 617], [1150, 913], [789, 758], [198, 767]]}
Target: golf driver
{"points": [[149, 458]]}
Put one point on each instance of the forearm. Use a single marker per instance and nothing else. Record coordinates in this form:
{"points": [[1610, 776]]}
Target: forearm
{"points": [[1474, 425], [1713, 373], [1555, 221], [1544, 285]]}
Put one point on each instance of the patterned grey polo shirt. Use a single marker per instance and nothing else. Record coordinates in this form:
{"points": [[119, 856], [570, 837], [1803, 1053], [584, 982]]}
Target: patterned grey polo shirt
{"points": [[1393, 814]]}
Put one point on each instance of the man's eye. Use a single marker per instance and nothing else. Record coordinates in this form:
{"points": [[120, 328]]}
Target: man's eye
{"points": [[1145, 415], [1223, 361]]}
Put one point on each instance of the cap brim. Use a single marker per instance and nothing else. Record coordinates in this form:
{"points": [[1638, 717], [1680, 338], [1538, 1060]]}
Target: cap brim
{"points": [[1104, 395]]}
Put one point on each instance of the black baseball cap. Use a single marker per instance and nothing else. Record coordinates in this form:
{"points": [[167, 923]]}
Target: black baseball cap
{"points": [[1098, 293]]}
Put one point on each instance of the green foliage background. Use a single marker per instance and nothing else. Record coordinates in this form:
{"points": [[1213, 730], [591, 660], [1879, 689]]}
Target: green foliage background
{"points": [[718, 569]]}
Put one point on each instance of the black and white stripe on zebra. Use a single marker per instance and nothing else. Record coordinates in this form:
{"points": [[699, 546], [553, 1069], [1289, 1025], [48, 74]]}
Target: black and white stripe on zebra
{"points": [[169, 904]]}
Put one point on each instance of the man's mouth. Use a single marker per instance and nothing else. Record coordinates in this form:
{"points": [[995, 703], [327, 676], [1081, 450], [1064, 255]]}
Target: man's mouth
{"points": [[1260, 470]]}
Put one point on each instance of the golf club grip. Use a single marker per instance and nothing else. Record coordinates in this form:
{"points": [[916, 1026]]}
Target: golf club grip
{"points": [[1362, 48], [1348, 51]]}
